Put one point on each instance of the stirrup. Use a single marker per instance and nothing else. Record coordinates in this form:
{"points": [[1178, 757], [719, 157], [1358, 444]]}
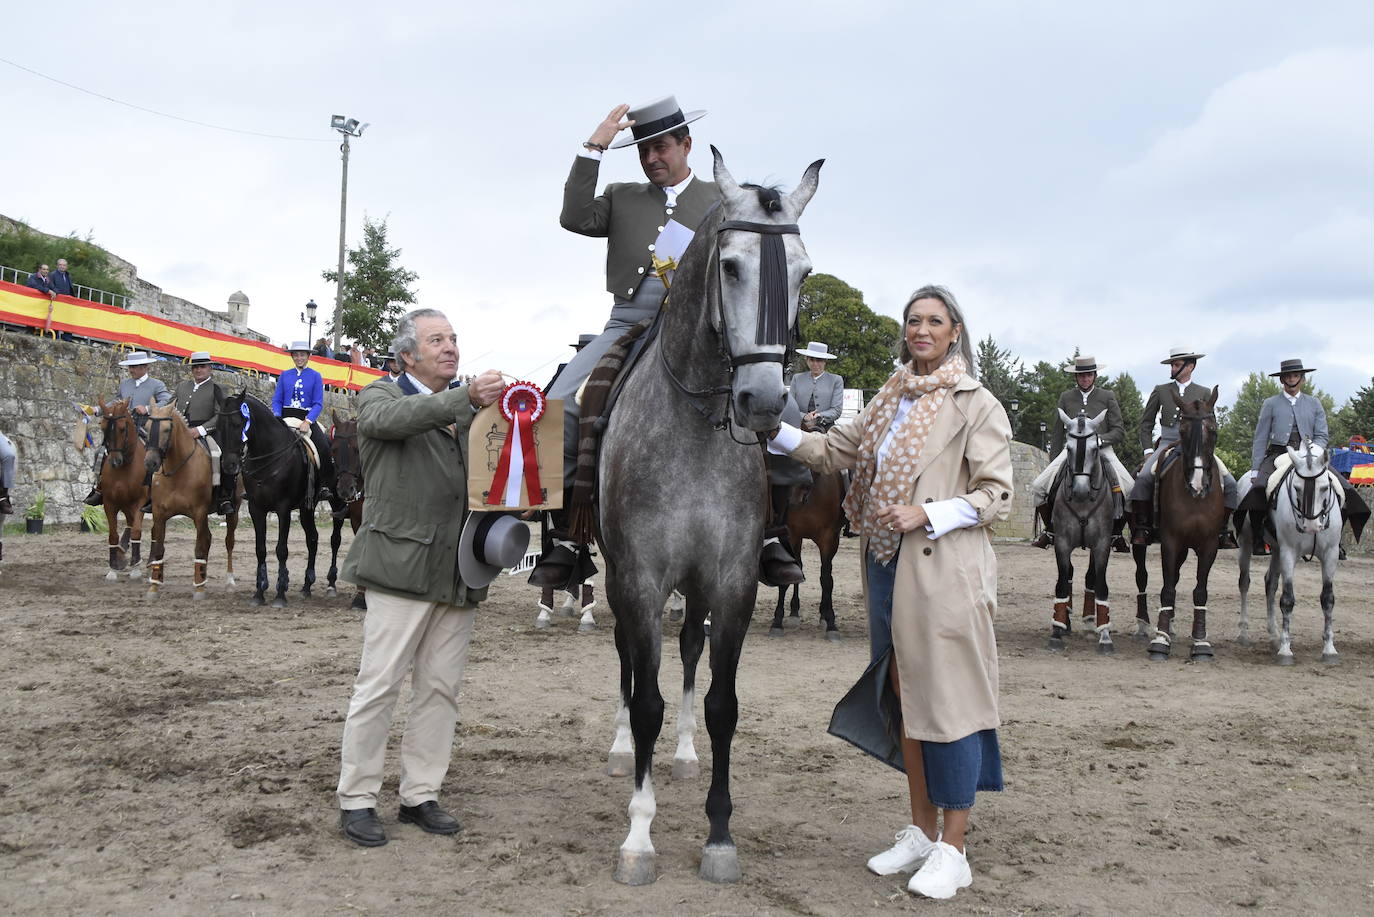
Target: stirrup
{"points": [[777, 566], [94, 498], [1044, 539], [562, 568]]}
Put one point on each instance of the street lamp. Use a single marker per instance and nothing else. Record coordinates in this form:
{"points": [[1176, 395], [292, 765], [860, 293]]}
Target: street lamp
{"points": [[308, 316], [1042, 436], [347, 127], [1015, 414]]}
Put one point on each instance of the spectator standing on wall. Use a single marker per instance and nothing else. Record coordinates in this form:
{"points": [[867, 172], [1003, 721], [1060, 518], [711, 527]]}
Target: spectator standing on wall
{"points": [[61, 280], [322, 349]]}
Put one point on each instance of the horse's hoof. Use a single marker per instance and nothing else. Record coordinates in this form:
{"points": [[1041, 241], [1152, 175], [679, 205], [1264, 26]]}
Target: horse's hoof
{"points": [[359, 602], [832, 636], [1055, 645], [635, 868], [719, 863], [112, 577], [620, 764], [1331, 659], [775, 631], [1106, 649], [150, 594], [230, 581], [198, 596], [543, 623], [586, 627], [1243, 640], [279, 602], [256, 600], [686, 770], [305, 592], [331, 592], [1285, 660], [1203, 656]]}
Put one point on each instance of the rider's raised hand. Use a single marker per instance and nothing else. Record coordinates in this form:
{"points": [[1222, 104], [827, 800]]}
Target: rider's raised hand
{"points": [[615, 123]]}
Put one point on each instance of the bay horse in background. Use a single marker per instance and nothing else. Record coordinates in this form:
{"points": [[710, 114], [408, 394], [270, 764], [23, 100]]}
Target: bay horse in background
{"points": [[682, 489], [819, 517], [1084, 514], [1191, 511], [1304, 518], [181, 487], [121, 483], [279, 477], [348, 477]]}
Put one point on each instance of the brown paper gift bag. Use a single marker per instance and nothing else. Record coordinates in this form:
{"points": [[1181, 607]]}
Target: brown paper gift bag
{"points": [[486, 441]]}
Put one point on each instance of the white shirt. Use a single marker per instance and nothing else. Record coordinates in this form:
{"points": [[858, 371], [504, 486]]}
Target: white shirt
{"points": [[1292, 399], [1086, 394], [674, 190], [419, 386]]}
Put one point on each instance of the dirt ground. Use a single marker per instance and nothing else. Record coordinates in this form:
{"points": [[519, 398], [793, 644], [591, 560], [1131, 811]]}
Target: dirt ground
{"points": [[173, 757]]}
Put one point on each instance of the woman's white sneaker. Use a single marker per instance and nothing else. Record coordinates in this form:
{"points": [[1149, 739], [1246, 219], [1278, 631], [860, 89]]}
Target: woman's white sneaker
{"points": [[945, 872], [909, 852]]}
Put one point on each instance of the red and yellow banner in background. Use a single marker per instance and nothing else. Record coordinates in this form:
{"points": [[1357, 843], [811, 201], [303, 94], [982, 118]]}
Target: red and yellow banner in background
{"points": [[22, 306]]}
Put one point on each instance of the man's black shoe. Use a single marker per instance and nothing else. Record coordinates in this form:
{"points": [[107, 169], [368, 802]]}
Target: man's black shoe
{"points": [[1043, 540], [429, 817], [777, 567], [147, 508], [554, 568], [1227, 540], [362, 827], [226, 508], [1119, 544], [6, 507], [94, 498]]}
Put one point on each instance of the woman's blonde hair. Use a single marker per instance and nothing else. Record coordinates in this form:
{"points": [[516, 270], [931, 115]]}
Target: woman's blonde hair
{"points": [[964, 343]]}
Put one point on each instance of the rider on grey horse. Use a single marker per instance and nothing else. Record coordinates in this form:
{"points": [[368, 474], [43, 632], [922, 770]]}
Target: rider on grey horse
{"points": [[1085, 398], [1289, 419], [630, 216], [1181, 363]]}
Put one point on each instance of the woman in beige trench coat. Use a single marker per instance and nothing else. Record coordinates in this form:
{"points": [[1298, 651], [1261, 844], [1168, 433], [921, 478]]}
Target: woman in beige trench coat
{"points": [[932, 460]]}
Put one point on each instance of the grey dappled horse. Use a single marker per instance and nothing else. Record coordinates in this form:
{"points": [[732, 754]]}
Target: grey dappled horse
{"points": [[1305, 519], [1084, 513], [682, 488]]}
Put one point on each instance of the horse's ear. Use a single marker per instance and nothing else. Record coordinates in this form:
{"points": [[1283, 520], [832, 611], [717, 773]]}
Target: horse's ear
{"points": [[1212, 401], [806, 188], [1068, 421], [1295, 456], [728, 186], [1098, 419]]}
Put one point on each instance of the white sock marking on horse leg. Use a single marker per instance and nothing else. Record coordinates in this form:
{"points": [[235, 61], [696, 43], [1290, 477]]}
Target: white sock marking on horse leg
{"points": [[623, 744], [686, 727], [642, 810]]}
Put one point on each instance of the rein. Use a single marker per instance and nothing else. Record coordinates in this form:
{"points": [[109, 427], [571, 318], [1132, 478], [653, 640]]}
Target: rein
{"points": [[259, 461], [1192, 454], [1305, 506], [122, 435]]}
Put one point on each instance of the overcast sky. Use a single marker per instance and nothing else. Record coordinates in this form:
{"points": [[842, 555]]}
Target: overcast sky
{"points": [[1116, 177]]}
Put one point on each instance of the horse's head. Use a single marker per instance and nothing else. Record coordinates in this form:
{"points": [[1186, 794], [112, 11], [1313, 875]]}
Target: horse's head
{"points": [[760, 264], [343, 446], [1310, 487], [1197, 433], [1083, 445], [233, 430], [118, 431], [162, 419]]}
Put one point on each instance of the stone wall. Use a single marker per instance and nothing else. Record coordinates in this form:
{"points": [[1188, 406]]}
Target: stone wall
{"points": [[1026, 463], [39, 380]]}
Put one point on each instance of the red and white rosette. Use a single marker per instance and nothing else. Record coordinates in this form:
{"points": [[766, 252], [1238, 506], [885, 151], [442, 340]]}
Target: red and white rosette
{"points": [[521, 404]]}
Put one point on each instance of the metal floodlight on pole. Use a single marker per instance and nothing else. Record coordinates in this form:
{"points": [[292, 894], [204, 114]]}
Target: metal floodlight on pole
{"points": [[308, 316], [347, 127]]}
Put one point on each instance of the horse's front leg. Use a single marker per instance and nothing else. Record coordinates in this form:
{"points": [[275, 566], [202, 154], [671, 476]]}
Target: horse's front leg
{"points": [[134, 533], [1271, 594], [690, 643], [1142, 599], [729, 623], [117, 560], [776, 630], [1329, 602], [283, 574], [259, 515], [636, 865], [231, 525], [1089, 613], [621, 759], [832, 631], [312, 547], [335, 537], [1288, 558], [1102, 612], [1202, 647], [155, 549], [1245, 538], [1063, 594], [1171, 560], [201, 569]]}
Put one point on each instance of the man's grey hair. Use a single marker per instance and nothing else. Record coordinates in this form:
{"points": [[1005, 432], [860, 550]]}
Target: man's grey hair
{"points": [[956, 315], [407, 339]]}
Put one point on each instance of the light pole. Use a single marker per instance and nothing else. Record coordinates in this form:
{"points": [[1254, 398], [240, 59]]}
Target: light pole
{"points": [[308, 316], [347, 127], [1015, 414], [1044, 442]]}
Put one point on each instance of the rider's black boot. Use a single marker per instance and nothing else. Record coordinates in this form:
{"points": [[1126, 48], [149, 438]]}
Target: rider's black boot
{"points": [[95, 497], [1259, 548], [1140, 533], [564, 563], [777, 566], [1046, 536], [6, 508]]}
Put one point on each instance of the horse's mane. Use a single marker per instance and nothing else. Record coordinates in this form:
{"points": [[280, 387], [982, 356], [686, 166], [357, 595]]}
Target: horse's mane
{"points": [[770, 198]]}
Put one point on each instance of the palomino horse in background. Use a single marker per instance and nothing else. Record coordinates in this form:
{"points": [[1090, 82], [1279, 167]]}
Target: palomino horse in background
{"points": [[121, 483], [1084, 513], [181, 487], [820, 519], [1191, 511], [278, 477], [348, 475], [1305, 518], [682, 486]]}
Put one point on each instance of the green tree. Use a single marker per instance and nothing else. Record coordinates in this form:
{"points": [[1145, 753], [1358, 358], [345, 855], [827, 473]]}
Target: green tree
{"points": [[832, 311], [999, 371], [24, 248], [376, 289], [1236, 429], [1132, 406], [1356, 417], [1041, 387]]}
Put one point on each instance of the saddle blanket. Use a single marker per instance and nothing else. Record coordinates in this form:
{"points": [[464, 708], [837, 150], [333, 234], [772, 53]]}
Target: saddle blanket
{"points": [[310, 450], [1283, 464]]}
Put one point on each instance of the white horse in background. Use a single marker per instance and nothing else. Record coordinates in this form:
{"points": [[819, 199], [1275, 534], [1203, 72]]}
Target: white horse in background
{"points": [[1304, 518]]}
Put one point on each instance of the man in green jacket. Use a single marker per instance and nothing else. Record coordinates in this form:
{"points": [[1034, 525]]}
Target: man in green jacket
{"points": [[412, 436]]}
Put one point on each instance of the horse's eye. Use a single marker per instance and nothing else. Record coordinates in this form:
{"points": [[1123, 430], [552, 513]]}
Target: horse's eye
{"points": [[730, 269]]}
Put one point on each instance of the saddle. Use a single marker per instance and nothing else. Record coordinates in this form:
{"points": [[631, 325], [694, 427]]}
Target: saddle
{"points": [[311, 452], [1283, 466]]}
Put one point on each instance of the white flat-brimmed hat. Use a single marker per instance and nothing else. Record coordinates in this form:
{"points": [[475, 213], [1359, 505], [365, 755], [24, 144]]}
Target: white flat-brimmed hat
{"points": [[1181, 353], [138, 358], [490, 543], [818, 350], [297, 346], [1084, 365], [200, 358], [655, 118]]}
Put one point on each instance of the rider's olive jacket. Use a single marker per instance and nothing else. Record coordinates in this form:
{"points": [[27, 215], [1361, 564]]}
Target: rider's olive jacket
{"points": [[416, 474], [1161, 403], [1113, 429]]}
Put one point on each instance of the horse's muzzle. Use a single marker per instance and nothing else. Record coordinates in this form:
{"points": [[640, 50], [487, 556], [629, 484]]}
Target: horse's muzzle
{"points": [[153, 461], [117, 461]]}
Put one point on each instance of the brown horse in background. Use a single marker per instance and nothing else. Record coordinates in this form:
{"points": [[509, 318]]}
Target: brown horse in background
{"points": [[348, 468], [1191, 511], [818, 517], [121, 483], [181, 487]]}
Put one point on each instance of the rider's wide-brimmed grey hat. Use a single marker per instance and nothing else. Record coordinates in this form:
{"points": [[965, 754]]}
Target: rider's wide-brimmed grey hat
{"points": [[200, 358], [1292, 366], [818, 350], [1181, 353], [299, 347], [1084, 365], [655, 118], [138, 358], [490, 543]]}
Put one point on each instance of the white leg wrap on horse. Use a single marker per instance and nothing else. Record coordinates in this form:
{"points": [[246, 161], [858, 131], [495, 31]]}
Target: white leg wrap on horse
{"points": [[686, 727], [624, 741], [642, 811]]}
